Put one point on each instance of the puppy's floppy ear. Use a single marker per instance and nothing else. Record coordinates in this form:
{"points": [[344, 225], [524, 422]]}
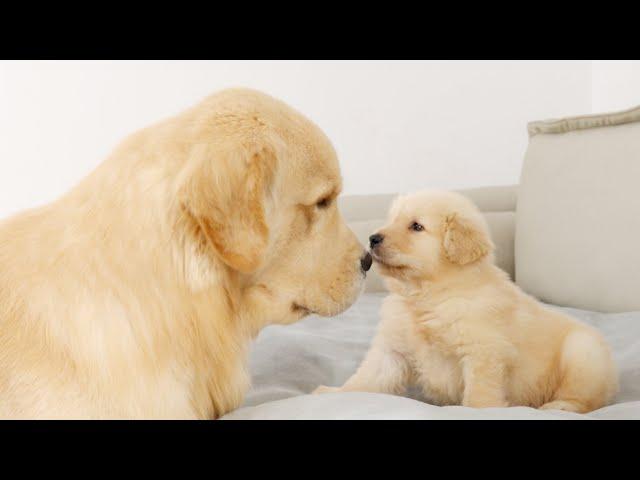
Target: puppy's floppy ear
{"points": [[465, 240], [224, 195]]}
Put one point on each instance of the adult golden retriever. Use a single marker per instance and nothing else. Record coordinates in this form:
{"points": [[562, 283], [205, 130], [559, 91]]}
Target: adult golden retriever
{"points": [[136, 294]]}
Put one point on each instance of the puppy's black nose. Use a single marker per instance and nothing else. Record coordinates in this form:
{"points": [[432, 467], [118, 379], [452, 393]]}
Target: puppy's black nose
{"points": [[375, 240], [366, 261]]}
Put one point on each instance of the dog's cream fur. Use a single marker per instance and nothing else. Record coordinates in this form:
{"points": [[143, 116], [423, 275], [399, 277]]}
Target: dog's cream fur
{"points": [[135, 295], [457, 327]]}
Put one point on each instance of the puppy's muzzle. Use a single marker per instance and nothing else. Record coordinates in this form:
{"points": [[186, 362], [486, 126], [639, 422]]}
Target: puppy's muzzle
{"points": [[375, 240]]}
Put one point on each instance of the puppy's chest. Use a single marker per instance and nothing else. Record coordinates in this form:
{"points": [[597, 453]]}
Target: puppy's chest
{"points": [[435, 342], [437, 326]]}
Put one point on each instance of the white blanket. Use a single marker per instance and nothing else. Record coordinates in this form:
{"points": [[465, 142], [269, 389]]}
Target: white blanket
{"points": [[289, 362]]}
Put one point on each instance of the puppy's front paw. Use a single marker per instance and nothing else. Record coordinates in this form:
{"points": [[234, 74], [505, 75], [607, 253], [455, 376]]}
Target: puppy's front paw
{"points": [[567, 406], [478, 396], [325, 389]]}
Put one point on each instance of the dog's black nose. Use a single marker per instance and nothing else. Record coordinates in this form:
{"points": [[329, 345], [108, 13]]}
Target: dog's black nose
{"points": [[366, 261], [375, 240]]}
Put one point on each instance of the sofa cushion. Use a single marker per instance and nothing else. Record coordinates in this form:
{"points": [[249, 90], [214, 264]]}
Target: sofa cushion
{"points": [[578, 210]]}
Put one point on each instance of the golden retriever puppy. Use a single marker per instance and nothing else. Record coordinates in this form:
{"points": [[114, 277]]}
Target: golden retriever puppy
{"points": [[136, 294], [457, 327]]}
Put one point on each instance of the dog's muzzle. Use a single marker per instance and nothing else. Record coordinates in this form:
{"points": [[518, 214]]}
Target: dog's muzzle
{"points": [[365, 262]]}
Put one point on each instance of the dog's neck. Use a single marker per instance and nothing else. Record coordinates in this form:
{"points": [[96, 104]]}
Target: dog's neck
{"points": [[189, 327]]}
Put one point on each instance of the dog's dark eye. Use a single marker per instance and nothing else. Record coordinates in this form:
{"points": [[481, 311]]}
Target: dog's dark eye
{"points": [[416, 227], [324, 203]]}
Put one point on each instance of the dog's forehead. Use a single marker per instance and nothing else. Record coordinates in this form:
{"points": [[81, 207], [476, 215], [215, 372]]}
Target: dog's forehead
{"points": [[323, 166], [314, 161], [319, 150], [321, 180]]}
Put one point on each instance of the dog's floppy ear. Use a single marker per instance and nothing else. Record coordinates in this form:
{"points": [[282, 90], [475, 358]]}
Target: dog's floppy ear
{"points": [[225, 195], [465, 240]]}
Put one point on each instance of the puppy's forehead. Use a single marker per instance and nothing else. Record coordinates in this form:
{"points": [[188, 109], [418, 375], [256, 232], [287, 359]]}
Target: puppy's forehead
{"points": [[411, 206], [430, 204]]}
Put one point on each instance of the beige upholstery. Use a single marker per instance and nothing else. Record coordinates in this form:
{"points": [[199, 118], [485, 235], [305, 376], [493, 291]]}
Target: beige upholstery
{"points": [[564, 125], [366, 213], [578, 216]]}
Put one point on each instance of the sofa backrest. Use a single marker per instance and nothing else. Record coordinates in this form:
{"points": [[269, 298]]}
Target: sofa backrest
{"points": [[578, 218], [366, 213]]}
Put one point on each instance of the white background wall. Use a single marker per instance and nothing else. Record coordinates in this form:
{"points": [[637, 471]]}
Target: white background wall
{"points": [[396, 126], [615, 85]]}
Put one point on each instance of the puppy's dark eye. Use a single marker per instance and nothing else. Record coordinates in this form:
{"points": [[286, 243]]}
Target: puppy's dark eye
{"points": [[416, 227], [324, 203]]}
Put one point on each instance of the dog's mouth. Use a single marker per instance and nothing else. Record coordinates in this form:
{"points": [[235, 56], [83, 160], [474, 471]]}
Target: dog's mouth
{"points": [[300, 310], [387, 267], [382, 260]]}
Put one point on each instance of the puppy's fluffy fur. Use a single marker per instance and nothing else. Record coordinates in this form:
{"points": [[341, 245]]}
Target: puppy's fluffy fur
{"points": [[456, 326], [135, 294]]}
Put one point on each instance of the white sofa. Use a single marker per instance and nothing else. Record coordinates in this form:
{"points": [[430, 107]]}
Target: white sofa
{"points": [[547, 238]]}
